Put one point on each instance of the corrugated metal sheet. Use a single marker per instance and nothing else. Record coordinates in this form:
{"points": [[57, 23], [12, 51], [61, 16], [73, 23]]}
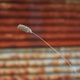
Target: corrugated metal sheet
{"points": [[45, 1], [39, 77], [58, 22], [39, 64]]}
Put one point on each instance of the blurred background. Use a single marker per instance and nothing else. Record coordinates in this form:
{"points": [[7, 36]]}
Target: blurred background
{"points": [[24, 56]]}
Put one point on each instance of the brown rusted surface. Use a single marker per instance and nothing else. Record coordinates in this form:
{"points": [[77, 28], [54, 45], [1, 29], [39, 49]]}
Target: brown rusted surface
{"points": [[33, 70], [38, 43], [46, 36], [44, 55], [38, 29], [45, 1], [39, 1], [69, 62], [53, 22], [40, 77], [60, 21], [40, 7], [40, 14], [23, 63]]}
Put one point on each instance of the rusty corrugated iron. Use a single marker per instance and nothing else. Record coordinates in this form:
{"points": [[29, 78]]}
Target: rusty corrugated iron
{"points": [[40, 14], [40, 77], [31, 43], [37, 70], [44, 1], [32, 64], [38, 55], [54, 22], [36, 63], [60, 21], [45, 29], [46, 36], [40, 7]]}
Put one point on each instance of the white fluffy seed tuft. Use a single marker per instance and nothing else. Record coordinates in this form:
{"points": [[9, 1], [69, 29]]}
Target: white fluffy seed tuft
{"points": [[24, 28]]}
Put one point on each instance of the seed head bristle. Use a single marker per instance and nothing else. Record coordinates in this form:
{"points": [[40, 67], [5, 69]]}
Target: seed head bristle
{"points": [[24, 28]]}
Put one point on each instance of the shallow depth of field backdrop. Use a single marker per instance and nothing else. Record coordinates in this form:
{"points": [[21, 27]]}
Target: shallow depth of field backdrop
{"points": [[24, 56]]}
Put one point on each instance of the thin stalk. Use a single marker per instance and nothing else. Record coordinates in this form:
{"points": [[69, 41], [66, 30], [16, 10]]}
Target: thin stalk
{"points": [[57, 53]]}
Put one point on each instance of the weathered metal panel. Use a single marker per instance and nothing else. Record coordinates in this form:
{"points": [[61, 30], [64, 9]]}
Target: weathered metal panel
{"points": [[40, 14], [55, 21], [60, 21], [31, 43], [39, 64], [46, 36], [40, 7], [44, 29], [43, 1]]}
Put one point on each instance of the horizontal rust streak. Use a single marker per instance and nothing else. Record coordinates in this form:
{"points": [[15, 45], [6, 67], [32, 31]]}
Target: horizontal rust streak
{"points": [[38, 43], [39, 1], [37, 56], [40, 63], [72, 11], [41, 7], [38, 29], [34, 70], [39, 21], [40, 77], [38, 14], [45, 1], [46, 36]]}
